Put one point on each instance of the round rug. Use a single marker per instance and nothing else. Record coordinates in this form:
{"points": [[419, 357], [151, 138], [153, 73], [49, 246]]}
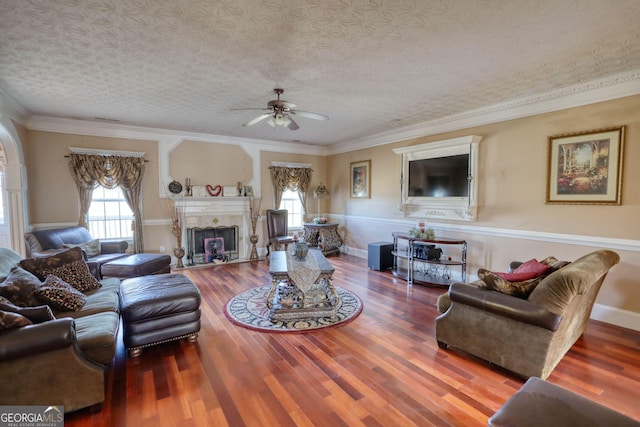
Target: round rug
{"points": [[249, 309]]}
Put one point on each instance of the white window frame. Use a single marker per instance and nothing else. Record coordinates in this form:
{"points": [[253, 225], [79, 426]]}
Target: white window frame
{"points": [[3, 207], [98, 226], [291, 202]]}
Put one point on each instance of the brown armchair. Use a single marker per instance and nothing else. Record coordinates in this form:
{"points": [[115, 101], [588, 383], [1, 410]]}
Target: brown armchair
{"points": [[278, 229], [526, 336]]}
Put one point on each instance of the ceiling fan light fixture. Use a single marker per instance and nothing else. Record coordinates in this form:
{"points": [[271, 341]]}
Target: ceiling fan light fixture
{"points": [[279, 112]]}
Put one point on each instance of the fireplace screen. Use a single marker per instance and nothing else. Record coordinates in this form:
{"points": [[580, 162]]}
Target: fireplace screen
{"points": [[209, 244]]}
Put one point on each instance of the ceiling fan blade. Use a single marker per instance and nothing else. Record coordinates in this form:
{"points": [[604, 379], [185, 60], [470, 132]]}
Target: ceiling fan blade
{"points": [[293, 125], [250, 108], [309, 115], [257, 119]]}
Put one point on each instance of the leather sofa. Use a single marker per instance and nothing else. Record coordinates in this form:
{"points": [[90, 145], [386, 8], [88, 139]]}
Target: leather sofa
{"points": [[48, 241], [60, 361], [528, 336]]}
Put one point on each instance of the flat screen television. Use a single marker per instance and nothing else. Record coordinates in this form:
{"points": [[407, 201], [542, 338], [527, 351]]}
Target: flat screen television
{"points": [[439, 177]]}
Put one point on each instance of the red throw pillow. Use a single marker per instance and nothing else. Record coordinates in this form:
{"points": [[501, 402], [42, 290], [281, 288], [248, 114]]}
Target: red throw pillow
{"points": [[526, 271]]}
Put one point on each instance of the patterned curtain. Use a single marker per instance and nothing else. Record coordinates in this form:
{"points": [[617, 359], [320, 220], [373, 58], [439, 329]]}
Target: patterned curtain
{"points": [[293, 179], [85, 182], [110, 171]]}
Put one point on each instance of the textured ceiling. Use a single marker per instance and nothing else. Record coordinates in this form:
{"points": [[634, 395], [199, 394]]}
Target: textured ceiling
{"points": [[372, 66]]}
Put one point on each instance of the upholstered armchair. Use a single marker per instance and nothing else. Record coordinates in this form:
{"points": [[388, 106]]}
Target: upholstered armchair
{"points": [[278, 229], [528, 336]]}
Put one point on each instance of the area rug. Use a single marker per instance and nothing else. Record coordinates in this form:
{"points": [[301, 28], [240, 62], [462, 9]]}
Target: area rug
{"points": [[249, 310]]}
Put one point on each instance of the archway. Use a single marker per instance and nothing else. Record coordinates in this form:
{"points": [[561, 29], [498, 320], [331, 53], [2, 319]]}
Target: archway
{"points": [[14, 185]]}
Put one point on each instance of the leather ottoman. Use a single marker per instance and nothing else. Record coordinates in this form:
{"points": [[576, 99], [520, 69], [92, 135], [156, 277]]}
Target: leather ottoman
{"points": [[136, 265], [157, 309], [540, 403]]}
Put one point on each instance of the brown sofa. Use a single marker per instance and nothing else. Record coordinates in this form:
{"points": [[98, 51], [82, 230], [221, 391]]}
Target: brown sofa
{"points": [[526, 336], [47, 241], [61, 361]]}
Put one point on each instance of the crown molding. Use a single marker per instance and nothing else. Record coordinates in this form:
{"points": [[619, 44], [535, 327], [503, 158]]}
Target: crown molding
{"points": [[115, 130], [11, 108], [612, 87]]}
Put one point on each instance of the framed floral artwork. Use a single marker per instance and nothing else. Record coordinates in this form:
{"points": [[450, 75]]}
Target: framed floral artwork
{"points": [[361, 179], [586, 167]]}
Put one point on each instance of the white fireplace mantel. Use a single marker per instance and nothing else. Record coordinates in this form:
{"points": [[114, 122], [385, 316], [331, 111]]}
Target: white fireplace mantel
{"points": [[218, 211]]}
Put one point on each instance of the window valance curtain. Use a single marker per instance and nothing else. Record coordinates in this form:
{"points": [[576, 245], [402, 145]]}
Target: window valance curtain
{"points": [[89, 171], [293, 179]]}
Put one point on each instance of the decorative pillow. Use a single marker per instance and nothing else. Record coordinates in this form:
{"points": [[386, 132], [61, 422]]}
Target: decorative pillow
{"points": [[491, 280], [37, 265], [39, 314], [91, 248], [553, 262], [527, 270], [10, 320], [19, 288], [69, 265], [60, 295]]}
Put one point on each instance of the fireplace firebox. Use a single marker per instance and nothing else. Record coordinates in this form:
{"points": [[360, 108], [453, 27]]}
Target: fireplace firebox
{"points": [[208, 244]]}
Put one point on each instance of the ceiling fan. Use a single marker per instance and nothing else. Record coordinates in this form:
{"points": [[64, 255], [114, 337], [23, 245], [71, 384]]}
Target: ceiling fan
{"points": [[280, 113]]}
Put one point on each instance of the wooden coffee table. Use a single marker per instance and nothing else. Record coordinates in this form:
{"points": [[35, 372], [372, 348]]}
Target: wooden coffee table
{"points": [[301, 289]]}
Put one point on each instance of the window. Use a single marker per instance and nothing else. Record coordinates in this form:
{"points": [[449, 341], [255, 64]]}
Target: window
{"points": [[291, 202], [109, 216], [2, 208]]}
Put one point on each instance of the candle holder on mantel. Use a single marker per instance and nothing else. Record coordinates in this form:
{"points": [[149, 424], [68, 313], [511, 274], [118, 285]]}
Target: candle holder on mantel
{"points": [[188, 187], [253, 256]]}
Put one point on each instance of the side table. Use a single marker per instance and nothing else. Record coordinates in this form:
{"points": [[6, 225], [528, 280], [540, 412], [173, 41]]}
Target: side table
{"points": [[324, 236]]}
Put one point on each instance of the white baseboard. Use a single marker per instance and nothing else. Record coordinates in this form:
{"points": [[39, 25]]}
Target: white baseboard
{"points": [[616, 316]]}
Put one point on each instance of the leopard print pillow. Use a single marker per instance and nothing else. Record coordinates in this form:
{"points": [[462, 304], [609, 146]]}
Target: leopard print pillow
{"points": [[490, 280]]}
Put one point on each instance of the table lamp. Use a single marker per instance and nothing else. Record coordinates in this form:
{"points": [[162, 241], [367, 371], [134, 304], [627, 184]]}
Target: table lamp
{"points": [[319, 193]]}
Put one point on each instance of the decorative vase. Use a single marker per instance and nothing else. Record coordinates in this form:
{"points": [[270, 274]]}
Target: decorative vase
{"points": [[301, 250], [179, 253], [254, 237], [254, 252]]}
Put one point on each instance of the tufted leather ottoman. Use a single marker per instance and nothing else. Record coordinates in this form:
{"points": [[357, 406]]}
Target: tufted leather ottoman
{"points": [[137, 265], [157, 309]]}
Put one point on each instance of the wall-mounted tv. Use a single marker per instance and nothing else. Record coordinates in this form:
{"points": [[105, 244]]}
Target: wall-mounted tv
{"points": [[439, 177]]}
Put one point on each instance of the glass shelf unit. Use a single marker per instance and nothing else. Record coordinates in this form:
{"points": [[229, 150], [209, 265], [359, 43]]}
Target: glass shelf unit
{"points": [[420, 269]]}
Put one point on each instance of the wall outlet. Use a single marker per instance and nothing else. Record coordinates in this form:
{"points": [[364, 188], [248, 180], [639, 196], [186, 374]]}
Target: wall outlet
{"points": [[161, 249]]}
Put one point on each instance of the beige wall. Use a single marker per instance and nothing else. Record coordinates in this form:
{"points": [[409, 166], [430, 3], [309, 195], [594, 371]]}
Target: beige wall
{"points": [[210, 163], [512, 186], [512, 183], [53, 197], [318, 165]]}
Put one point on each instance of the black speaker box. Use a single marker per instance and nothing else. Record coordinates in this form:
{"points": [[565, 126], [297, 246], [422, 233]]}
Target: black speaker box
{"points": [[380, 257]]}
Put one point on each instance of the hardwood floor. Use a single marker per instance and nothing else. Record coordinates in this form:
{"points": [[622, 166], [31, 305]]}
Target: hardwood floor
{"points": [[382, 369]]}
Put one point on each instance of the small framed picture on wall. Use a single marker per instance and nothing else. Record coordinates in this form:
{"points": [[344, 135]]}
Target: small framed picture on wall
{"points": [[361, 179]]}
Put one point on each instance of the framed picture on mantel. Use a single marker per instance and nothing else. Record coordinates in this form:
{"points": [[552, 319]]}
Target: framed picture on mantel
{"points": [[361, 179], [586, 167]]}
